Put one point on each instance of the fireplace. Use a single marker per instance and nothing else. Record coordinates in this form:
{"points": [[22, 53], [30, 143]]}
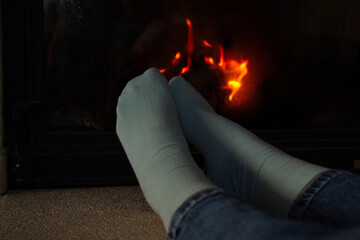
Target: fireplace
{"points": [[66, 62]]}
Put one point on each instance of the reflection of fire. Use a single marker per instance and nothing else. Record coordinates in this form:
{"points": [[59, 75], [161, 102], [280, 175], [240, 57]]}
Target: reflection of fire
{"points": [[231, 70]]}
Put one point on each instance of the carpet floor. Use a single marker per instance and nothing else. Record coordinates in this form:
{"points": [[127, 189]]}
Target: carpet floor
{"points": [[79, 213]]}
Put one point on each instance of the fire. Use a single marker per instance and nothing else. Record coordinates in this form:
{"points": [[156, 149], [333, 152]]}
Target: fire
{"points": [[209, 60], [234, 85], [230, 70], [189, 51], [234, 72], [176, 59], [207, 44], [189, 47], [221, 62]]}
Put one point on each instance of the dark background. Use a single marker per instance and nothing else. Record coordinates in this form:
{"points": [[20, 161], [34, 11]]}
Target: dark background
{"points": [[66, 62]]}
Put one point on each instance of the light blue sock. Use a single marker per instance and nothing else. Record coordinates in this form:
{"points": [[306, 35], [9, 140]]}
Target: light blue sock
{"points": [[149, 130], [239, 161]]}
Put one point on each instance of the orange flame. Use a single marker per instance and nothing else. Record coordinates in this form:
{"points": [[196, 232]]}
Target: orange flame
{"points": [[234, 85], [176, 59], [221, 62], [209, 60], [232, 70], [189, 47], [207, 44], [235, 72], [190, 43]]}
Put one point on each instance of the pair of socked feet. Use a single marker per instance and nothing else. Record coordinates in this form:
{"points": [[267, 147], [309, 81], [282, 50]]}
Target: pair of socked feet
{"points": [[152, 118]]}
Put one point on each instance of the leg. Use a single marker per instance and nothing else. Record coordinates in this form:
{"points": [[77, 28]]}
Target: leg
{"points": [[226, 216], [330, 202], [237, 160], [149, 130], [332, 199]]}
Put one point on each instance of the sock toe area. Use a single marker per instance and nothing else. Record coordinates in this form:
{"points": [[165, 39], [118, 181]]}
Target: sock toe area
{"points": [[185, 93], [178, 85], [152, 77], [176, 80]]}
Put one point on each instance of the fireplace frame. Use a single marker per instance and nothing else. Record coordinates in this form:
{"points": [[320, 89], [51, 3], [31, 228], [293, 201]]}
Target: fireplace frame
{"points": [[41, 157]]}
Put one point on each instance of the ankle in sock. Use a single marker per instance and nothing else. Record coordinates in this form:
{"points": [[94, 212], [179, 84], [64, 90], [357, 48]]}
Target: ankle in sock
{"points": [[149, 130], [237, 160]]}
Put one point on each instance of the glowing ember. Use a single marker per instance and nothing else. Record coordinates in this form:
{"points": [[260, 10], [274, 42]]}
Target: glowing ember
{"points": [[163, 70]]}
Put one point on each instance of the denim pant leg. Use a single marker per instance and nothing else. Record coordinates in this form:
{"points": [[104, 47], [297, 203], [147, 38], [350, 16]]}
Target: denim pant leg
{"points": [[215, 214], [333, 199]]}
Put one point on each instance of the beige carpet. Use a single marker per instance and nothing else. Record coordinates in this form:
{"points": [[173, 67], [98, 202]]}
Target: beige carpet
{"points": [[85, 213]]}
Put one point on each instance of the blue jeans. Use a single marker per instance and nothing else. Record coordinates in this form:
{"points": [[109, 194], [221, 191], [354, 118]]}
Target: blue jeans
{"points": [[328, 209]]}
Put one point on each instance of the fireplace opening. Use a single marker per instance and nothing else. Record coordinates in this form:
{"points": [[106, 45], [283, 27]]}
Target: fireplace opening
{"points": [[286, 70], [302, 70]]}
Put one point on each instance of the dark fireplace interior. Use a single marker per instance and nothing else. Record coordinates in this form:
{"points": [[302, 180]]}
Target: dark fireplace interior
{"points": [[66, 62]]}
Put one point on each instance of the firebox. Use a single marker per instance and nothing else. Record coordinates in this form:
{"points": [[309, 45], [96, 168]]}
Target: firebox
{"points": [[288, 71]]}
